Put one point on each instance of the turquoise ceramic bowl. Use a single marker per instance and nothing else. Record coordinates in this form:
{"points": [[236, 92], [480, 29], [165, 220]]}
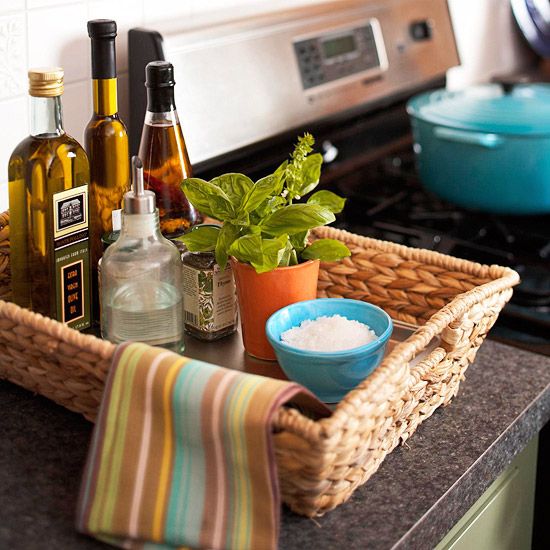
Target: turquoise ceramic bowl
{"points": [[329, 375]]}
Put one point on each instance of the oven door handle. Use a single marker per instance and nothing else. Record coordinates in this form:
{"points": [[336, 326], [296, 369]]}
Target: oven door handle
{"points": [[490, 141]]}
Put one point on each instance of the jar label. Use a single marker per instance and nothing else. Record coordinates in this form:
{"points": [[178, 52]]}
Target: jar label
{"points": [[209, 298], [71, 257]]}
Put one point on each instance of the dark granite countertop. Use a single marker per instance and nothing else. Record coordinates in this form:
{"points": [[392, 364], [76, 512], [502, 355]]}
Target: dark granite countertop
{"points": [[414, 499]]}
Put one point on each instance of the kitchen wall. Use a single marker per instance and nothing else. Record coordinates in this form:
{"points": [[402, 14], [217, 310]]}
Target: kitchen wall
{"points": [[36, 33], [489, 42]]}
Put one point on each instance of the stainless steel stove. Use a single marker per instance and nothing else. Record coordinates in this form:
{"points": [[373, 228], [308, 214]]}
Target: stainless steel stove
{"points": [[342, 71]]}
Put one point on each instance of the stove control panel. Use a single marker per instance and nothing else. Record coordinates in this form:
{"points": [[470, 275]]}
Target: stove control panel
{"points": [[282, 70], [342, 53]]}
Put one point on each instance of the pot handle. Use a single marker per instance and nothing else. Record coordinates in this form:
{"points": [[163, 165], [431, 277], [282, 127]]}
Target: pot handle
{"points": [[472, 138]]}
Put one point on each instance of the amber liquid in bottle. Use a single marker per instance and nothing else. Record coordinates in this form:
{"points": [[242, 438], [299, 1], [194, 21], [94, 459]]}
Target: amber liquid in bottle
{"points": [[107, 145], [42, 166], [166, 165], [106, 142], [164, 154]]}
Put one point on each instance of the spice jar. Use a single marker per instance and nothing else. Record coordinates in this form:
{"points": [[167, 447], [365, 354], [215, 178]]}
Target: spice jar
{"points": [[209, 297]]}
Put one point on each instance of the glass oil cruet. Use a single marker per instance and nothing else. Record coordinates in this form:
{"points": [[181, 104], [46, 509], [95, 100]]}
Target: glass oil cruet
{"points": [[141, 293]]}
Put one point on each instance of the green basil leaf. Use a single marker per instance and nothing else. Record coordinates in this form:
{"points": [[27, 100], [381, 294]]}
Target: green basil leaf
{"points": [[221, 208], [296, 218], [273, 251], [255, 229], [280, 176], [235, 186], [210, 199], [259, 192], [329, 200], [228, 234], [263, 254], [197, 192], [247, 249], [268, 206], [326, 250], [241, 218], [299, 240], [286, 255], [310, 173], [201, 239]]}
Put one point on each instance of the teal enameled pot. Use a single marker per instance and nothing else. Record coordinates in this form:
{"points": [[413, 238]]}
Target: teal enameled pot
{"points": [[486, 147]]}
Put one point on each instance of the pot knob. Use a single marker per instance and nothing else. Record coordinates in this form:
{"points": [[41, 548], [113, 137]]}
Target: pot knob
{"points": [[508, 83]]}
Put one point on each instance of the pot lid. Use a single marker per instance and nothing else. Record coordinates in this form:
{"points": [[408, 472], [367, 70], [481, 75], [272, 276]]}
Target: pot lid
{"points": [[523, 110]]}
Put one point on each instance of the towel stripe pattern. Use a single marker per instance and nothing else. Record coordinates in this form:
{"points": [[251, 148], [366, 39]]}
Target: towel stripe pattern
{"points": [[181, 455]]}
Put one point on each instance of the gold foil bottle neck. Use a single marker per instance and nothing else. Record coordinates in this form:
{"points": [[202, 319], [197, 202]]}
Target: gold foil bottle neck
{"points": [[46, 82]]}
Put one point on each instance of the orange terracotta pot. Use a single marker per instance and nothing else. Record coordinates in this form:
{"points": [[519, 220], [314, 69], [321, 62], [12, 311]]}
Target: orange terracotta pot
{"points": [[262, 294]]}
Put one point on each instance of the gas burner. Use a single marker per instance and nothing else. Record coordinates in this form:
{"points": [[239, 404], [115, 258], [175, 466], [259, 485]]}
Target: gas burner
{"points": [[388, 202], [534, 289]]}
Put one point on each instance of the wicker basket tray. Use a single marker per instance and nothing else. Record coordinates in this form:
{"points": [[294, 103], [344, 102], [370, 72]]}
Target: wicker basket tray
{"points": [[320, 462]]}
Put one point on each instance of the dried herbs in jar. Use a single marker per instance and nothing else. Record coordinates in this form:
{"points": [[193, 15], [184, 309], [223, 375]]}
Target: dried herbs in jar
{"points": [[209, 298]]}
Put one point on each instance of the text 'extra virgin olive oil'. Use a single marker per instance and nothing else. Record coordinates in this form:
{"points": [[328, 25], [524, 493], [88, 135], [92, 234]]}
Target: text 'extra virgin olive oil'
{"points": [[106, 142], [164, 154], [48, 196]]}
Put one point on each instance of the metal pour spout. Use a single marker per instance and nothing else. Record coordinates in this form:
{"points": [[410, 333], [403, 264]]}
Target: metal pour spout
{"points": [[138, 200]]}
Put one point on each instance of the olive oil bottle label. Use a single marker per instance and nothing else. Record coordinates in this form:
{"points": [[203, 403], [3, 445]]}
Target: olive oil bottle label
{"points": [[209, 298], [71, 257]]}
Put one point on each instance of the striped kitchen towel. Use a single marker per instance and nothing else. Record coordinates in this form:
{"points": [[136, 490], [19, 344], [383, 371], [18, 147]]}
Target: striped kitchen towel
{"points": [[181, 455]]}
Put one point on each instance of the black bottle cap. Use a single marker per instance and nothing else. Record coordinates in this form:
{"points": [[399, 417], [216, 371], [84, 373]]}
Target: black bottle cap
{"points": [[102, 28], [159, 74], [103, 33]]}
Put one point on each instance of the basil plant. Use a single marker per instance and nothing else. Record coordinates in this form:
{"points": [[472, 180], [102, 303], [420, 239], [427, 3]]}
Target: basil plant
{"points": [[262, 224]]}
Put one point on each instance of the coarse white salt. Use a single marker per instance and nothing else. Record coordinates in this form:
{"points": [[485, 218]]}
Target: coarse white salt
{"points": [[334, 333]]}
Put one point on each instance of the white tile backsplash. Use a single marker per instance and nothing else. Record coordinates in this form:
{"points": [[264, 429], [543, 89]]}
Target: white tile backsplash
{"points": [[127, 14], [53, 32], [159, 10], [44, 3], [77, 108], [7, 6], [58, 36], [13, 55]]}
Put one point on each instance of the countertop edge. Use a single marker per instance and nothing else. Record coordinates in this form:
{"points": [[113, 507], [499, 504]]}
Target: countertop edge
{"points": [[436, 522]]}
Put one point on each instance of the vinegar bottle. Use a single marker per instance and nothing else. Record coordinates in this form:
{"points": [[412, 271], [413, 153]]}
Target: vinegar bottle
{"points": [[163, 152], [48, 176]]}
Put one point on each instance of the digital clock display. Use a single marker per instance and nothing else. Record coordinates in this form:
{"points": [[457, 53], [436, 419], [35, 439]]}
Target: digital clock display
{"points": [[339, 46], [339, 54]]}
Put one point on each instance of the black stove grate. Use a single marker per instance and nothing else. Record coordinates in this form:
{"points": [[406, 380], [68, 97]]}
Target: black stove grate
{"points": [[388, 202]]}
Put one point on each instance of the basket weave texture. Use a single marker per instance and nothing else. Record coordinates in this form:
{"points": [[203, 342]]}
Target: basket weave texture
{"points": [[320, 462]]}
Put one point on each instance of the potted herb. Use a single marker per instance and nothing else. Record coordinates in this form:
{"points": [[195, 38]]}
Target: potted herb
{"points": [[265, 233]]}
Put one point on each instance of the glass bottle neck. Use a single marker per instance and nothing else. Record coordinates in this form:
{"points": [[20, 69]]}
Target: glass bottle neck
{"points": [[103, 58], [164, 118], [46, 117], [105, 96], [161, 100], [141, 226]]}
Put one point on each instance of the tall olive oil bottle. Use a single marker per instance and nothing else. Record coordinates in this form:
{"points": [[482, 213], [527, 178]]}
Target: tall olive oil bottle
{"points": [[164, 154], [106, 143], [48, 176]]}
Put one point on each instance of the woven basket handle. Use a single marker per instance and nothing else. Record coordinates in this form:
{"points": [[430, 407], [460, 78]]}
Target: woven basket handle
{"points": [[406, 351]]}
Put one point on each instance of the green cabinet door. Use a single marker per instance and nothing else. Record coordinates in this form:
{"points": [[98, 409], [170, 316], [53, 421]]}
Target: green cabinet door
{"points": [[502, 518]]}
